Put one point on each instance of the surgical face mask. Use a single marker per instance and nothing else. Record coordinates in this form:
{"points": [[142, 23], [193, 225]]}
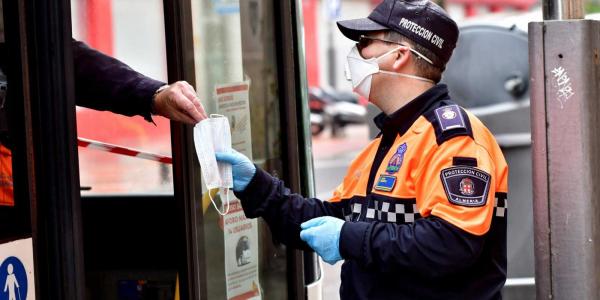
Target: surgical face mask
{"points": [[213, 135], [360, 71]]}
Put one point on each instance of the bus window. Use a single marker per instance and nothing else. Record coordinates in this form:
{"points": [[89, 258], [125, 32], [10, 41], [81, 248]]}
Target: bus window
{"points": [[133, 32], [7, 199], [235, 69]]}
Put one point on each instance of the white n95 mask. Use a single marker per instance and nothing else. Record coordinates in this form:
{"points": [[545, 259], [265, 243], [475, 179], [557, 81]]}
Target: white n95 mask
{"points": [[360, 71], [213, 135]]}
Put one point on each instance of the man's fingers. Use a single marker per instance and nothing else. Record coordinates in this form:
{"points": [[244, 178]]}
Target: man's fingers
{"points": [[185, 106], [200, 108], [196, 110], [181, 116], [179, 102], [196, 100]]}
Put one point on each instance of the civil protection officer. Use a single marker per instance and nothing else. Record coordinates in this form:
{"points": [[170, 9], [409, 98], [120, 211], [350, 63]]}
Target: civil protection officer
{"points": [[421, 213]]}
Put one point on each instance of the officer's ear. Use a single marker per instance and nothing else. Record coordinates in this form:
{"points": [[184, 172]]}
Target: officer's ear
{"points": [[402, 59]]}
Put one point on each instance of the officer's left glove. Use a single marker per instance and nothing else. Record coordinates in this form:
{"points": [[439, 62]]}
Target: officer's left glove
{"points": [[242, 168], [323, 235]]}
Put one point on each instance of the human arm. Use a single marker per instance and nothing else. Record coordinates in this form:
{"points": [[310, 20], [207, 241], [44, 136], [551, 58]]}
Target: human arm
{"points": [[105, 83], [263, 195], [431, 246]]}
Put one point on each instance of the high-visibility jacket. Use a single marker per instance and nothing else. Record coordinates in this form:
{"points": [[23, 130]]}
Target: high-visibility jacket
{"points": [[425, 205], [7, 197]]}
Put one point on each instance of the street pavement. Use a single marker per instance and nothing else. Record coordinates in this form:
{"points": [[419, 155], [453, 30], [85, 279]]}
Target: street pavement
{"points": [[331, 159]]}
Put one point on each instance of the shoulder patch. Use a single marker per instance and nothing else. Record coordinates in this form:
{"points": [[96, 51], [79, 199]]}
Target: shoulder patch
{"points": [[450, 117], [449, 121], [466, 186]]}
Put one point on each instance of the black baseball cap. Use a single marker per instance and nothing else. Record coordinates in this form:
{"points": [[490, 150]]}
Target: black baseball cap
{"points": [[422, 21]]}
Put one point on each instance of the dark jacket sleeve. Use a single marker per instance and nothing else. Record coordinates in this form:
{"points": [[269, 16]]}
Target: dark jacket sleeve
{"points": [[267, 197], [429, 246], [105, 83]]}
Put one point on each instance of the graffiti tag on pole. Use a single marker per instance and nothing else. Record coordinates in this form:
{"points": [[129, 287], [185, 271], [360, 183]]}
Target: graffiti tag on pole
{"points": [[563, 82]]}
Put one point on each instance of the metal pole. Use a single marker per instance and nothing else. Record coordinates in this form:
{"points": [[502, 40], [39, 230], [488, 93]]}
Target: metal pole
{"points": [[563, 9], [331, 56], [565, 69]]}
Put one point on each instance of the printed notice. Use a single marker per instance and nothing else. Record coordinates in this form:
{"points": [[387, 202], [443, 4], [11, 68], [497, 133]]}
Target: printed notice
{"points": [[240, 233], [16, 271], [241, 254], [233, 102]]}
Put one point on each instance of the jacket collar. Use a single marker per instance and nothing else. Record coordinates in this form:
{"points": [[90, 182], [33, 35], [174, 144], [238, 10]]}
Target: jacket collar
{"points": [[402, 119]]}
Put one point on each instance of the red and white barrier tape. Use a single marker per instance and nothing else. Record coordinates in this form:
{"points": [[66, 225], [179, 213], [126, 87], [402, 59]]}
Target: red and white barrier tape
{"points": [[91, 144]]}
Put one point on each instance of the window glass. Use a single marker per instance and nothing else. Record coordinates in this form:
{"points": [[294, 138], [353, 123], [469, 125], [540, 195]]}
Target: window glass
{"points": [[236, 76], [133, 32], [7, 198]]}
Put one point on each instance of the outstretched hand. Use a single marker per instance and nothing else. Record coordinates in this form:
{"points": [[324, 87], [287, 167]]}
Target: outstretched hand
{"points": [[179, 102]]}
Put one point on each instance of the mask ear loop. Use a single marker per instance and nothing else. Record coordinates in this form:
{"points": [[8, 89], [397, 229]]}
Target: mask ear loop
{"points": [[226, 189], [402, 74], [407, 76], [213, 202]]}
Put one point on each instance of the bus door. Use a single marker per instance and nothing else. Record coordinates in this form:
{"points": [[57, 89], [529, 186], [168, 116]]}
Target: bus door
{"points": [[245, 59], [40, 228], [16, 249], [150, 230], [99, 225]]}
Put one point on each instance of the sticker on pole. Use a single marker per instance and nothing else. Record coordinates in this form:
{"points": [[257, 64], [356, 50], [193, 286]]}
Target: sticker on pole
{"points": [[16, 271]]}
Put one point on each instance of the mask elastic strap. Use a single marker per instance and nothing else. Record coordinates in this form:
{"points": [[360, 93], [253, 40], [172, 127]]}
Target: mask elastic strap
{"points": [[213, 202], [389, 52], [421, 56], [411, 50], [407, 76]]}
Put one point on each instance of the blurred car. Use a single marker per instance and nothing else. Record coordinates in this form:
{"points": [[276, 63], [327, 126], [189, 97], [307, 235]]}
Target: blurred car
{"points": [[334, 109]]}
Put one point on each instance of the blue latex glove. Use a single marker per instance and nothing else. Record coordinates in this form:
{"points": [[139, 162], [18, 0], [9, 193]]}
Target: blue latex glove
{"points": [[242, 168], [323, 235]]}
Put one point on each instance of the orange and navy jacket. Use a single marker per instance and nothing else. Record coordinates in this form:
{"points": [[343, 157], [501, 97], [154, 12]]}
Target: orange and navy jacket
{"points": [[425, 205]]}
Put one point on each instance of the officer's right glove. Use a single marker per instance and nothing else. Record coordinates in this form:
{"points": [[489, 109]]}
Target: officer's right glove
{"points": [[242, 168], [323, 235]]}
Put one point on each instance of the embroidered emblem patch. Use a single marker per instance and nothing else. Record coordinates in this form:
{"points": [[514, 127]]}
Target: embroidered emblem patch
{"points": [[450, 117], [396, 160], [466, 186], [385, 183], [448, 114]]}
